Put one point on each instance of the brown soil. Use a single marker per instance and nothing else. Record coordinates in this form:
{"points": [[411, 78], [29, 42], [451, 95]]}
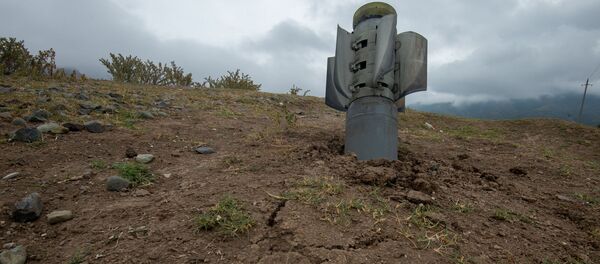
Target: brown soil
{"points": [[502, 192]]}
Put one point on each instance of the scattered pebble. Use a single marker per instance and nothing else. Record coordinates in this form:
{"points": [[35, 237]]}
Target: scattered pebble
{"points": [[141, 193], [145, 115], [56, 217], [27, 135], [52, 128], [19, 122], [11, 176], [418, 197], [429, 126], [17, 255], [73, 127], [6, 116], [144, 158], [117, 184], [130, 153], [94, 126], [205, 150], [39, 116], [28, 209]]}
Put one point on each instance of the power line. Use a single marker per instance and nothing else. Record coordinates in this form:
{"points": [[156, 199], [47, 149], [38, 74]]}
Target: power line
{"points": [[587, 83]]}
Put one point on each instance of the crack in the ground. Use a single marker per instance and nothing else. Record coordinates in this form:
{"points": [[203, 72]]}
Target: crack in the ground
{"points": [[271, 221]]}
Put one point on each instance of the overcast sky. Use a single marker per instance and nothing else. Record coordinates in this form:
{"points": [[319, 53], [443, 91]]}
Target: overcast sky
{"points": [[478, 50]]}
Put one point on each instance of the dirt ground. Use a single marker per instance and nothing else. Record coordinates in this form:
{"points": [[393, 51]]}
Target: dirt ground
{"points": [[524, 191]]}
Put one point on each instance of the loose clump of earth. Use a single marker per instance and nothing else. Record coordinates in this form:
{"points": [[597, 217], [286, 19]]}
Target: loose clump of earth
{"points": [[101, 172]]}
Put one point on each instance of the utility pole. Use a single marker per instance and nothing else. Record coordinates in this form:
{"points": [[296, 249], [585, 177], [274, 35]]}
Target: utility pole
{"points": [[587, 83]]}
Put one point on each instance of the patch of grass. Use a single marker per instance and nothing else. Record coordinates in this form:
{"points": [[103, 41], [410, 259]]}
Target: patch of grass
{"points": [[588, 199], [419, 217], [136, 173], [380, 206], [469, 132], [340, 212], [231, 160], [566, 170], [509, 216], [548, 153], [439, 241], [462, 207], [98, 165], [226, 113], [227, 217], [78, 257]]}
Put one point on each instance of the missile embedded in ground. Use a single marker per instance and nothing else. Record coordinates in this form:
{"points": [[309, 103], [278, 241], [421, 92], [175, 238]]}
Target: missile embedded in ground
{"points": [[374, 68]]}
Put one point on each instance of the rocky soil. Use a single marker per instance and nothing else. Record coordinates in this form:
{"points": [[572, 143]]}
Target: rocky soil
{"points": [[100, 172]]}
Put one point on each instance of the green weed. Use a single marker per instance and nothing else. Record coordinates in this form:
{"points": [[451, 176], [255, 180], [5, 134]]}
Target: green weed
{"points": [[227, 217], [136, 173]]}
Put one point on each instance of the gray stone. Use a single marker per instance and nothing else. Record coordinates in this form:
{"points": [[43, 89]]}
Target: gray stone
{"points": [[109, 109], [5, 90], [144, 158], [205, 150], [9, 245], [56, 217], [94, 126], [141, 193], [418, 197], [145, 115], [115, 95], [83, 111], [82, 96], [52, 128], [130, 152], [117, 184], [27, 135], [39, 115], [11, 176], [74, 127], [28, 209], [6, 116], [17, 255], [19, 122]]}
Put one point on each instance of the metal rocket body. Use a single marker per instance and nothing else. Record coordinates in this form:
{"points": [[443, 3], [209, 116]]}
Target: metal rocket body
{"points": [[374, 68]]}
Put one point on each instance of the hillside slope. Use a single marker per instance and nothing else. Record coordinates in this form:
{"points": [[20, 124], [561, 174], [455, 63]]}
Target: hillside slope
{"points": [[467, 191]]}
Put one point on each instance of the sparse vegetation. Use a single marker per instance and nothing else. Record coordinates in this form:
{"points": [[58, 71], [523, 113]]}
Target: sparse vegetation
{"points": [[227, 217], [462, 207], [16, 59], [509, 216], [98, 165], [131, 69], [232, 80], [136, 173]]}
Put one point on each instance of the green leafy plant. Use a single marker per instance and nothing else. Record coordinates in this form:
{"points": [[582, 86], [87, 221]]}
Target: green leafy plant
{"points": [[131, 69], [232, 80], [136, 173], [227, 217], [16, 59]]}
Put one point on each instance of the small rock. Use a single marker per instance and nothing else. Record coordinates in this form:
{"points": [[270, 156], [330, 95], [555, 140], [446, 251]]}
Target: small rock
{"points": [[463, 156], [205, 150], [418, 197], [82, 96], [83, 112], [94, 126], [19, 122], [161, 113], [429, 126], [518, 171], [28, 209], [11, 176], [5, 90], [74, 127], [109, 109], [39, 116], [422, 185], [117, 184], [145, 115], [17, 255], [6, 116], [115, 95], [9, 245], [52, 128], [141, 193], [56, 217], [144, 158], [130, 153], [565, 198], [88, 105], [27, 135], [167, 175]]}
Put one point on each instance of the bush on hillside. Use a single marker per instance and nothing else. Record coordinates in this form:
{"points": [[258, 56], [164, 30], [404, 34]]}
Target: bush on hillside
{"points": [[132, 69], [16, 59], [232, 80]]}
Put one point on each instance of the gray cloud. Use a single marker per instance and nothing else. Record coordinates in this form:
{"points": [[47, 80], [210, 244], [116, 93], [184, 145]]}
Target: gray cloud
{"points": [[479, 50]]}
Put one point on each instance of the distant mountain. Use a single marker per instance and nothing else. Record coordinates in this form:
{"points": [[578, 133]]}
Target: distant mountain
{"points": [[562, 106]]}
